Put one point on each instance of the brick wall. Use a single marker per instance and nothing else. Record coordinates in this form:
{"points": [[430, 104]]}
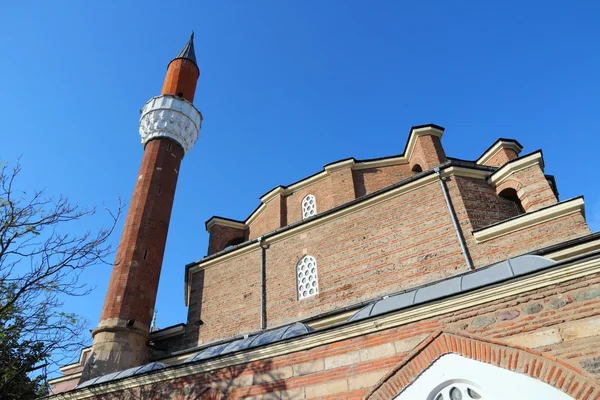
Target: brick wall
{"points": [[555, 321], [400, 243], [503, 156], [428, 152], [476, 208], [481, 203], [227, 300], [339, 187], [370, 180], [220, 236]]}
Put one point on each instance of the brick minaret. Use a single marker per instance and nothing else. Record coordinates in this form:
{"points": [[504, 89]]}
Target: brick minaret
{"points": [[169, 127]]}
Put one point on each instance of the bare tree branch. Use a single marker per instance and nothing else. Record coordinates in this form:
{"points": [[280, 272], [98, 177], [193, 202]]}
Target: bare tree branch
{"points": [[41, 260]]}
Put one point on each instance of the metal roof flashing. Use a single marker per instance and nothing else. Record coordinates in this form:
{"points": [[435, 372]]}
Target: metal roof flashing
{"points": [[264, 338], [468, 281]]}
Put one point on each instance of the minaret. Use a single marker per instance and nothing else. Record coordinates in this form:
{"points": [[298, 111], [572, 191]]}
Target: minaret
{"points": [[169, 127]]}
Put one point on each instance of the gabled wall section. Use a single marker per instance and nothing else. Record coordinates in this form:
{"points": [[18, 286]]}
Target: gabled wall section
{"points": [[387, 242], [341, 182]]}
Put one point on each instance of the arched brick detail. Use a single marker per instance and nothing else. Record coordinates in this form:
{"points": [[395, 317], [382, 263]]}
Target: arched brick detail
{"points": [[417, 161], [510, 184], [220, 236], [542, 367]]}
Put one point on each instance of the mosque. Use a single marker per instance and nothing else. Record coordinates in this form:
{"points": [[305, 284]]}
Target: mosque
{"points": [[415, 275]]}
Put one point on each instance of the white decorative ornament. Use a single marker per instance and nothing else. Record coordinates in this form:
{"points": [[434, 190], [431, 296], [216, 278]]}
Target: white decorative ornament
{"points": [[458, 391], [307, 279], [309, 206], [170, 117]]}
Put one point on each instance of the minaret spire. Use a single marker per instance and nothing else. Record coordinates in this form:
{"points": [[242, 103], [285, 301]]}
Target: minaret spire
{"points": [[183, 73], [169, 127], [188, 51]]}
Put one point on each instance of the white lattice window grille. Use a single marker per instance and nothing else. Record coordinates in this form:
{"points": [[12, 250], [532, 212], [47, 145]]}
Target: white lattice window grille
{"points": [[459, 391], [309, 206], [306, 274]]}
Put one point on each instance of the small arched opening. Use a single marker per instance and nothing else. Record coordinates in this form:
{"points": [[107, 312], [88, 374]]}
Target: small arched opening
{"points": [[417, 168], [234, 242], [511, 194]]}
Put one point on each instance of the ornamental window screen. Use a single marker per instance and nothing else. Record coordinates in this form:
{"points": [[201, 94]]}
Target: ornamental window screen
{"points": [[458, 391], [309, 206], [306, 274]]}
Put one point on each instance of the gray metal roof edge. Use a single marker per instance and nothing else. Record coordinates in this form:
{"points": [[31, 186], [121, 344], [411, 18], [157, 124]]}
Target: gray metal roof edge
{"points": [[513, 277], [104, 380]]}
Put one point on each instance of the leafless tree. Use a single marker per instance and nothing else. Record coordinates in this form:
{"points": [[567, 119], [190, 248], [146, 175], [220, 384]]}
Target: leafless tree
{"points": [[42, 256]]}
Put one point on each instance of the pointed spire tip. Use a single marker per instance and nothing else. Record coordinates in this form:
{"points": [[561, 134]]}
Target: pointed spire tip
{"points": [[188, 51]]}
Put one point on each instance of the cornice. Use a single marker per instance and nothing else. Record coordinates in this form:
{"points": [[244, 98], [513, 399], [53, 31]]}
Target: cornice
{"points": [[78, 363], [167, 332], [496, 147], [348, 163], [277, 191], [255, 214], [69, 377], [466, 172], [383, 162], [574, 251], [553, 276], [225, 222], [305, 182], [516, 165], [530, 219]]}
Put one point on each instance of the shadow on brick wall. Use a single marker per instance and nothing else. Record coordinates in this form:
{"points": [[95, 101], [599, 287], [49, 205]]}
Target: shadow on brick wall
{"points": [[254, 380], [194, 319]]}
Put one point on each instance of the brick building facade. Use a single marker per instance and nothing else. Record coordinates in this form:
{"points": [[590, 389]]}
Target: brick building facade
{"points": [[416, 275]]}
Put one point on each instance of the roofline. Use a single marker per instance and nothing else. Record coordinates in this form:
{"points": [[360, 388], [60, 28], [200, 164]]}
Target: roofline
{"points": [[353, 163], [420, 175], [447, 164], [167, 332], [216, 219]]}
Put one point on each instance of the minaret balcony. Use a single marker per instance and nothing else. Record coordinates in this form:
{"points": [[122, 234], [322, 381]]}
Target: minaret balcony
{"points": [[170, 117]]}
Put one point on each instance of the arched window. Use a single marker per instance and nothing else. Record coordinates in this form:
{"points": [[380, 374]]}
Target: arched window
{"points": [[306, 276], [417, 168], [511, 194], [309, 206]]}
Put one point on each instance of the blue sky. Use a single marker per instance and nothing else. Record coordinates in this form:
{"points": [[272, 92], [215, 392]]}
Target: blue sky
{"points": [[286, 87]]}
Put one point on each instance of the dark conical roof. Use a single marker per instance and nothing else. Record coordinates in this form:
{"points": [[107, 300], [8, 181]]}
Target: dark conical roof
{"points": [[188, 51]]}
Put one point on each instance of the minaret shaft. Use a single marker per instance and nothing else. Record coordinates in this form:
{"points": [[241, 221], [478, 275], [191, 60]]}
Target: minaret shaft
{"points": [[132, 290], [169, 127]]}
